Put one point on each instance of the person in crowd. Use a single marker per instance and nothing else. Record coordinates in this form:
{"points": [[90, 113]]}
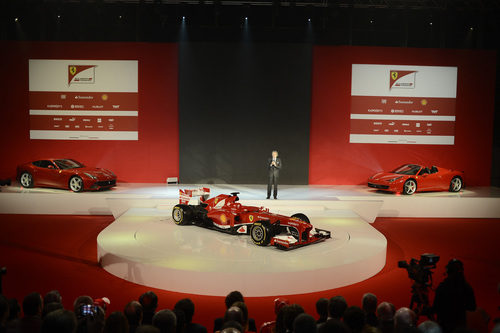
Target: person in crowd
{"points": [[355, 319], [322, 310], [49, 307], [454, 296], [187, 307], [429, 326], [91, 319], [273, 167], [133, 312], [232, 327], [165, 321], [385, 317], [116, 323], [149, 302], [234, 313], [333, 326], [270, 326], [369, 305], [147, 329], [52, 296], [59, 321], [79, 301], [304, 323], [244, 310], [231, 298], [14, 315], [31, 322], [4, 313], [290, 312], [336, 307], [404, 320], [181, 321]]}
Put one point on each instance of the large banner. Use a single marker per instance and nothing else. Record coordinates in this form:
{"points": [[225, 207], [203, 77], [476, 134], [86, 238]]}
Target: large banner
{"points": [[403, 104], [83, 99]]}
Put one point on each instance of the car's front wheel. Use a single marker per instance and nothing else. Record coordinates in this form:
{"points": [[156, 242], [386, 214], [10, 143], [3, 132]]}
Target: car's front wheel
{"points": [[26, 180], [293, 231], [456, 184], [182, 214], [76, 184], [261, 234], [409, 187]]}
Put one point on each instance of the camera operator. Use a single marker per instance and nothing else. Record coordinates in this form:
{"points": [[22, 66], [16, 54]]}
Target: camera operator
{"points": [[454, 296]]}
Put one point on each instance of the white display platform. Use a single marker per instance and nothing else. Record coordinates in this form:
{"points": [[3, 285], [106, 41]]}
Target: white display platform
{"points": [[481, 202], [144, 246]]}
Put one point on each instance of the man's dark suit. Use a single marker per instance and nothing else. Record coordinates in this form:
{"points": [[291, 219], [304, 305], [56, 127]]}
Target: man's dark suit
{"points": [[274, 174]]}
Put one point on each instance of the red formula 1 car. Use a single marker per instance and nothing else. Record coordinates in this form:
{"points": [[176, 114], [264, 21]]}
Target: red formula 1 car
{"points": [[66, 174], [223, 213], [411, 178]]}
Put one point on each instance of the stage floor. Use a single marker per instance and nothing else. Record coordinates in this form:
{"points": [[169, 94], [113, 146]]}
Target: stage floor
{"points": [[472, 202], [144, 246]]}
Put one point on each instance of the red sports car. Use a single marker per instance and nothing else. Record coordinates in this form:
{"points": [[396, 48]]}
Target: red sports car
{"points": [[411, 178], [223, 213], [64, 173]]}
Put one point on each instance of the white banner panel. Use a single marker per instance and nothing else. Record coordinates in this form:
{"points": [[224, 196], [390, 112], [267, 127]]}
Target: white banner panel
{"points": [[403, 104], [83, 99]]}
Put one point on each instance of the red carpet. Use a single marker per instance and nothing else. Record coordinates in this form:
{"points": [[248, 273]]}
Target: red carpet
{"points": [[59, 252]]}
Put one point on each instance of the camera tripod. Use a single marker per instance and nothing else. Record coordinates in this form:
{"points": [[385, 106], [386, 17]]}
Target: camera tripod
{"points": [[419, 301]]}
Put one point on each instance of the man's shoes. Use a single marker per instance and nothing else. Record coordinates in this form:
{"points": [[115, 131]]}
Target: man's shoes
{"points": [[267, 198], [275, 198]]}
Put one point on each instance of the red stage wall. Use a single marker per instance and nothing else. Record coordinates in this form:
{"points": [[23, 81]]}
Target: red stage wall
{"points": [[152, 158], [333, 160]]}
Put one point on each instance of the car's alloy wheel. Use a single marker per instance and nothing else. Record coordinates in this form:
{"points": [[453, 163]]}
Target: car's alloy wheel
{"points": [[26, 180], [258, 234], [409, 187], [456, 184], [76, 184]]}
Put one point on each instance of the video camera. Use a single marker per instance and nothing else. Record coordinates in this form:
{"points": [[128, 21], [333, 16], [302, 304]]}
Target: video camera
{"points": [[420, 271]]}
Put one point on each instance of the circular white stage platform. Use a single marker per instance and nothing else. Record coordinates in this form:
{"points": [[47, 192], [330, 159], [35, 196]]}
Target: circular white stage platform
{"points": [[144, 246]]}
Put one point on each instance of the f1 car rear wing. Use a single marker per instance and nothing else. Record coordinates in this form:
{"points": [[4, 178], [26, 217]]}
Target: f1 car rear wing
{"points": [[186, 196]]}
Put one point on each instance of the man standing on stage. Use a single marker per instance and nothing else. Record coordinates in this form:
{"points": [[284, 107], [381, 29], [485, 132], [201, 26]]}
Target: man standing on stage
{"points": [[274, 166]]}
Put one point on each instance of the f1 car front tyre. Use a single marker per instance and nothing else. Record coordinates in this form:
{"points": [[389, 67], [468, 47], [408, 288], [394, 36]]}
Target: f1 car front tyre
{"points": [[26, 180], [182, 214], [261, 234], [456, 184], [293, 231], [409, 187]]}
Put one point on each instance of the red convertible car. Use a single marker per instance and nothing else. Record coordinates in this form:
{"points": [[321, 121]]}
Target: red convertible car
{"points": [[224, 213], [411, 178], [66, 174]]}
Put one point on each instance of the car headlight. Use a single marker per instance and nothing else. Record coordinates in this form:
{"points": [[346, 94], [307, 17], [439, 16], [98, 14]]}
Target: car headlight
{"points": [[91, 176], [394, 179]]}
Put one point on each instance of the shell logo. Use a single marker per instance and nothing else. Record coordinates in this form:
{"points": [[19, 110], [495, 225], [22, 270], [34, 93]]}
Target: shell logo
{"points": [[216, 200], [223, 219], [250, 218], [423, 102]]}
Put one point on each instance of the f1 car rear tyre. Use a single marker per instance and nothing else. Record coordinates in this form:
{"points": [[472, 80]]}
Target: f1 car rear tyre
{"points": [[456, 184], [76, 184], [182, 214], [261, 234], [26, 180], [409, 187]]}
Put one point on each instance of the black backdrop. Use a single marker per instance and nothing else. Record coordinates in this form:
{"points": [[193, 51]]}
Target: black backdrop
{"points": [[237, 102]]}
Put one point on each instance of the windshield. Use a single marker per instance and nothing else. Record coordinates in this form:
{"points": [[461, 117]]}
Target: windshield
{"points": [[68, 164], [407, 169]]}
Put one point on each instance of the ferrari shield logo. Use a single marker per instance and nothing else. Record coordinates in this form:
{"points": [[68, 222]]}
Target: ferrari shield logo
{"points": [[72, 70], [250, 218], [394, 75]]}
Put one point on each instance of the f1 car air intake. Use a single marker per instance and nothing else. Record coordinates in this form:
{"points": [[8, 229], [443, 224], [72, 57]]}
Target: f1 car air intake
{"points": [[225, 214]]}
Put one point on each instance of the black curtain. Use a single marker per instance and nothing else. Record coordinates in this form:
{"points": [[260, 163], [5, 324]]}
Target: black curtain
{"points": [[237, 102]]}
